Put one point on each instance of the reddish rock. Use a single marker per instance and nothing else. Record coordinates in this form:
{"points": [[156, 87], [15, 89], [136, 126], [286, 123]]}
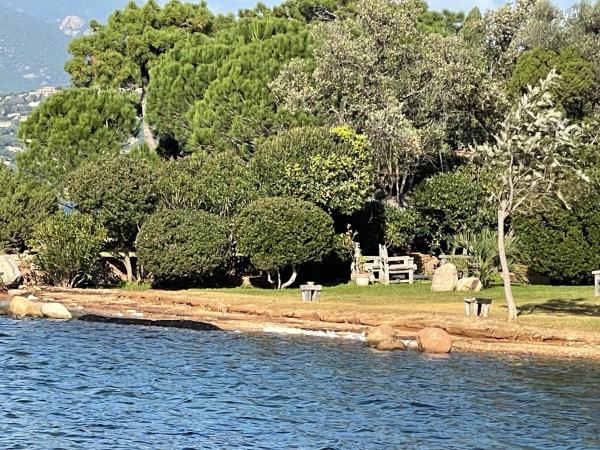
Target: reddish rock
{"points": [[383, 337], [390, 344], [434, 340], [307, 315]]}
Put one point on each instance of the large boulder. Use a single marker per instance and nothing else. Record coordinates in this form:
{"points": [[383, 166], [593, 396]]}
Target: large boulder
{"points": [[434, 340], [56, 311], [9, 270], [20, 307], [472, 284], [383, 337], [445, 278]]}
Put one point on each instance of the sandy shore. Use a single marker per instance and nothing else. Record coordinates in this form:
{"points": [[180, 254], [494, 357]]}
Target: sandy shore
{"points": [[247, 313]]}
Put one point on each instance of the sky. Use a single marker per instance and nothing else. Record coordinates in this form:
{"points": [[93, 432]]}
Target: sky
{"points": [[466, 5], [453, 5]]}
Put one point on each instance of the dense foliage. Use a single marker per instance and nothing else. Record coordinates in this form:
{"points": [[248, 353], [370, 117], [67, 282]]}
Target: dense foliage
{"points": [[561, 244], [279, 232], [184, 245], [328, 167], [24, 203], [374, 121], [74, 127], [219, 183], [119, 193], [68, 249], [452, 202]]}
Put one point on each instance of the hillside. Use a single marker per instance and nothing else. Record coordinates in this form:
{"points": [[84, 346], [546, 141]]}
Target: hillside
{"points": [[55, 10], [32, 52]]}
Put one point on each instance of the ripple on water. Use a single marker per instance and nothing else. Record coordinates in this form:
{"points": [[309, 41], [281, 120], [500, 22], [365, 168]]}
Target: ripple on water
{"points": [[101, 386]]}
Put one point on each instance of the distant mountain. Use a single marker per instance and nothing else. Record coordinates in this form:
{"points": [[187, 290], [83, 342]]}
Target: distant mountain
{"points": [[34, 36], [56, 10], [32, 52]]}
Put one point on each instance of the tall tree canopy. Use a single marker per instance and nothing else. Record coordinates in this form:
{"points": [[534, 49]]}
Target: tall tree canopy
{"points": [[413, 93], [121, 53], [73, 127], [217, 88]]}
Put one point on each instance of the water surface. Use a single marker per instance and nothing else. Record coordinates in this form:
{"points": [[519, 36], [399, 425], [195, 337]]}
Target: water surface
{"points": [[103, 386]]}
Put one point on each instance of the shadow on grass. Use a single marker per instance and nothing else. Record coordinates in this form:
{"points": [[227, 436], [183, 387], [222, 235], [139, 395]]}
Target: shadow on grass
{"points": [[575, 306]]}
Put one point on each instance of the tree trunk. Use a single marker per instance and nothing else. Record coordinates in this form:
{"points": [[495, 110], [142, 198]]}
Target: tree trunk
{"points": [[292, 279], [147, 131], [128, 267], [508, 295]]}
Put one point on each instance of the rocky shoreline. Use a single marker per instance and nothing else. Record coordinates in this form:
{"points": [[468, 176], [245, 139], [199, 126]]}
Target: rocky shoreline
{"points": [[203, 310]]}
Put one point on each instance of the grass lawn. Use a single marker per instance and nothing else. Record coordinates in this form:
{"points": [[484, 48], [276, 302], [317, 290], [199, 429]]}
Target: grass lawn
{"points": [[558, 307]]}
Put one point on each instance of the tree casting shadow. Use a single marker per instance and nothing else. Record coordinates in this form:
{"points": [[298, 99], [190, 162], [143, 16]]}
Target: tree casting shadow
{"points": [[575, 306]]}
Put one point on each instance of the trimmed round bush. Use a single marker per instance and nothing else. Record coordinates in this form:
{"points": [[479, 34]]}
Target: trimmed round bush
{"points": [[183, 245], [279, 232], [561, 244]]}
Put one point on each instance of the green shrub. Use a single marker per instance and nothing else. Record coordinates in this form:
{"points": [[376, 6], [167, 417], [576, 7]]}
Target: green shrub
{"points": [[219, 183], [24, 203], [279, 232], [402, 226], [119, 192], [452, 202], [69, 249], [184, 245], [561, 244], [330, 167], [482, 259]]}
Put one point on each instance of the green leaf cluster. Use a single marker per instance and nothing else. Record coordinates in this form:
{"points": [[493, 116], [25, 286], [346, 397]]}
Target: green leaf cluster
{"points": [[451, 202], [217, 88], [24, 203], [183, 245], [331, 167], [72, 128], [120, 53], [220, 183], [575, 91], [559, 243], [69, 248], [120, 193], [279, 232]]}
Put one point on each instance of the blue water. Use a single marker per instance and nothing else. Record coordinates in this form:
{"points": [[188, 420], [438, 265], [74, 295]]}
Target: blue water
{"points": [[102, 386]]}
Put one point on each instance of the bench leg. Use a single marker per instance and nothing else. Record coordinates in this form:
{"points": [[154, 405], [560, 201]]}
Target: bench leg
{"points": [[486, 311], [597, 285], [467, 309]]}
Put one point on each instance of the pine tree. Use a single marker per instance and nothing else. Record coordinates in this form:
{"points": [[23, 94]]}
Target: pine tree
{"points": [[73, 127], [120, 54]]}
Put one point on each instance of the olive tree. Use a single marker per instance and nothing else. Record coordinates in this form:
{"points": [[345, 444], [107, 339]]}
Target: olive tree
{"points": [[279, 232], [534, 150]]}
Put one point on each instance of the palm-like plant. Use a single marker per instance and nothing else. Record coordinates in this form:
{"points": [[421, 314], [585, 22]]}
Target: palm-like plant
{"points": [[482, 259]]}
